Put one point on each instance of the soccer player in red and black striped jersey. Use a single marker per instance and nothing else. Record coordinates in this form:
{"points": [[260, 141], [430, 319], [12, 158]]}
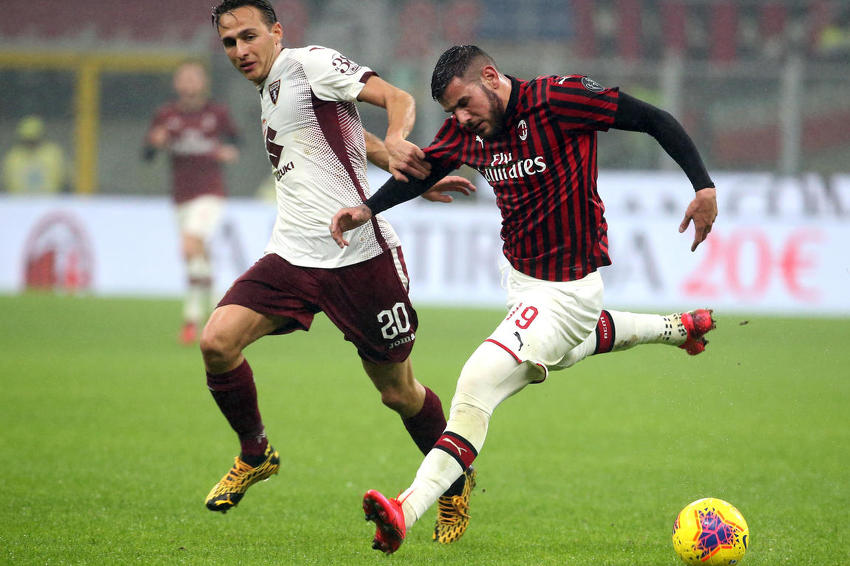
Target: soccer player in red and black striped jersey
{"points": [[535, 143], [199, 137]]}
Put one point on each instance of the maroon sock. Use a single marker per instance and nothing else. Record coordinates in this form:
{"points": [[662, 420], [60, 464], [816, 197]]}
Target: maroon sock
{"points": [[236, 396], [604, 333], [426, 426]]}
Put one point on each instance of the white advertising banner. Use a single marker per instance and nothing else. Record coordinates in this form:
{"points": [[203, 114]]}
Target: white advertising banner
{"points": [[779, 246]]}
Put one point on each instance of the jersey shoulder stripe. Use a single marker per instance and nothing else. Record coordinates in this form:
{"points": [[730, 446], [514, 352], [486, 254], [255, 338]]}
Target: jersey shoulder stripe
{"points": [[581, 103]]}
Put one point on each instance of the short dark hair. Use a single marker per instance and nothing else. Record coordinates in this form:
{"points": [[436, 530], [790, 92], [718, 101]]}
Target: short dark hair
{"points": [[455, 62], [265, 8]]}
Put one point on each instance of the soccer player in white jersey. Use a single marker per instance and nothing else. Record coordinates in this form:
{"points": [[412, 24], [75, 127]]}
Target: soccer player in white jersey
{"points": [[318, 149]]}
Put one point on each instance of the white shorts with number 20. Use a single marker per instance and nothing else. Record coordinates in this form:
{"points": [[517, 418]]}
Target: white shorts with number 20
{"points": [[547, 319]]}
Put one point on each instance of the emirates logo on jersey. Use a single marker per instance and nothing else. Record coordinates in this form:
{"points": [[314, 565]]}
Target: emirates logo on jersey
{"points": [[274, 90], [503, 167], [522, 130]]}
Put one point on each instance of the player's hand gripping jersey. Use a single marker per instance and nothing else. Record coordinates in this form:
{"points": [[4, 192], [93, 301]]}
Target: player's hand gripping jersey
{"points": [[314, 140]]}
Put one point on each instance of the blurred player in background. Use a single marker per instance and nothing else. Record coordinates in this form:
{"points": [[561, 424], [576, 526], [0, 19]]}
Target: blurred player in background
{"points": [[535, 143], [34, 165], [199, 136], [318, 149]]}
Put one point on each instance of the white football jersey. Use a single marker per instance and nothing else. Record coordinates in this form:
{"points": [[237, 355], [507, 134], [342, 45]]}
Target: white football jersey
{"points": [[314, 139]]}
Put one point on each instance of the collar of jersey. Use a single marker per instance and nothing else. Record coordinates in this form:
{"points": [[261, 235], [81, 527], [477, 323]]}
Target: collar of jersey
{"points": [[510, 109]]}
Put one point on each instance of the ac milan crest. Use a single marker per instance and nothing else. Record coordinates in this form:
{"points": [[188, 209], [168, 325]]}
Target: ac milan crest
{"points": [[274, 90], [522, 130]]}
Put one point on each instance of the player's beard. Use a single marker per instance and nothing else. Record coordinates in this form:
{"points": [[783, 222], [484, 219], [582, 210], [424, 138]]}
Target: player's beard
{"points": [[497, 115]]}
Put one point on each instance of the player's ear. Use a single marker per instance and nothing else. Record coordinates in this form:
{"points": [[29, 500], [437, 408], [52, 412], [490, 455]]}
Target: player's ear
{"points": [[490, 76], [277, 32]]}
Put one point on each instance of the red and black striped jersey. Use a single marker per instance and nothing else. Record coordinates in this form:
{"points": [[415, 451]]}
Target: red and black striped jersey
{"points": [[193, 140], [543, 171]]}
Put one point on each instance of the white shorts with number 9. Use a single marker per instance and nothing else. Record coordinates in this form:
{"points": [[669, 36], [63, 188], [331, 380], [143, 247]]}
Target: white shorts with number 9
{"points": [[547, 319]]}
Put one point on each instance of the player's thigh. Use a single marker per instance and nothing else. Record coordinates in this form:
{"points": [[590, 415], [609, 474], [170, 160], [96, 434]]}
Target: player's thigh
{"points": [[547, 319], [369, 303], [285, 294], [234, 327], [491, 375]]}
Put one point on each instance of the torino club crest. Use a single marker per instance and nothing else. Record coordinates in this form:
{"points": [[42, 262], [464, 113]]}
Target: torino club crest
{"points": [[274, 91]]}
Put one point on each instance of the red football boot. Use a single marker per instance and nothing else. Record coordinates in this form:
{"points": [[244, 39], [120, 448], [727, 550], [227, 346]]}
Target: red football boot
{"points": [[697, 322], [388, 518], [188, 334]]}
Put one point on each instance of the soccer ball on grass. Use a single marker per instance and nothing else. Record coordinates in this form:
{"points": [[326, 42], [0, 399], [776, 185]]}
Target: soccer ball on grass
{"points": [[710, 532]]}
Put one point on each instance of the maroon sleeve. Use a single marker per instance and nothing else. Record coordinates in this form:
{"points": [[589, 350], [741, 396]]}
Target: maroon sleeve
{"points": [[580, 103], [159, 118]]}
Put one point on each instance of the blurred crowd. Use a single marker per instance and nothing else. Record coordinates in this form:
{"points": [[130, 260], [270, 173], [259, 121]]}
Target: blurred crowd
{"points": [[728, 59]]}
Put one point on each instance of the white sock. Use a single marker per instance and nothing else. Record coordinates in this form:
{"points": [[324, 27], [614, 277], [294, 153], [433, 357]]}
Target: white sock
{"points": [[440, 469], [489, 377], [197, 299], [630, 329]]}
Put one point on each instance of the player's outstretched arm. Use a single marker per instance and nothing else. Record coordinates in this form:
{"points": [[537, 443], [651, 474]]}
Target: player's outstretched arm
{"points": [[404, 158], [703, 211], [376, 151], [636, 115], [377, 154]]}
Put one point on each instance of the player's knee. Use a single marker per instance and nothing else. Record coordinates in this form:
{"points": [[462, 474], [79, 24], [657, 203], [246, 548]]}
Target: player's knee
{"points": [[398, 388], [402, 398], [489, 377], [217, 346], [466, 403], [193, 246], [393, 399]]}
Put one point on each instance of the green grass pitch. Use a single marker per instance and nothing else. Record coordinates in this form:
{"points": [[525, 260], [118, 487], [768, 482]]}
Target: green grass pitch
{"points": [[110, 442]]}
